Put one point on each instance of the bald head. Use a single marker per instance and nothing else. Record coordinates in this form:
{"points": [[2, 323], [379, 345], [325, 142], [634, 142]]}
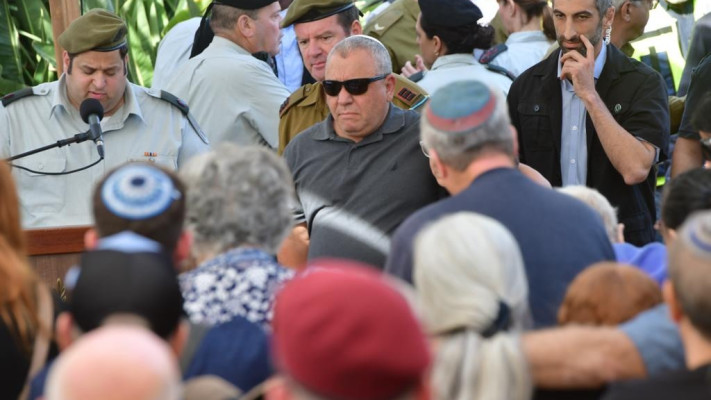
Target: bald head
{"points": [[116, 363]]}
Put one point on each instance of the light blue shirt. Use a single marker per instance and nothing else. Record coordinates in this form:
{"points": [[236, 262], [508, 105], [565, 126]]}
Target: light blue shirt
{"points": [[290, 68], [573, 136], [524, 49]]}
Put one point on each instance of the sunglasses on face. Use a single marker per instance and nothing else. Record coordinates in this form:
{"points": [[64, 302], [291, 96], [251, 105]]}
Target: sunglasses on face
{"points": [[353, 86]]}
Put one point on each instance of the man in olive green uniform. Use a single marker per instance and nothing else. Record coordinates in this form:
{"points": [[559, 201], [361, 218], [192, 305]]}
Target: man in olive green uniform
{"points": [[395, 28], [319, 25]]}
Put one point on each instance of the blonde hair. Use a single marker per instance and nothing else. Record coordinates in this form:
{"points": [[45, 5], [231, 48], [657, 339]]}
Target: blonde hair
{"points": [[598, 203], [465, 266]]}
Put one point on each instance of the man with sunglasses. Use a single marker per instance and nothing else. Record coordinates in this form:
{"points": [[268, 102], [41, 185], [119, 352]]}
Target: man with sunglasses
{"points": [[695, 126], [359, 173], [138, 124], [319, 25]]}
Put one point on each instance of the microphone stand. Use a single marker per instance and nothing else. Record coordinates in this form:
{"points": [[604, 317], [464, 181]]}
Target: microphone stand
{"points": [[78, 138]]}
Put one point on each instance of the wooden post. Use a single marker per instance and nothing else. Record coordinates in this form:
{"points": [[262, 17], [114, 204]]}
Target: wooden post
{"points": [[62, 12]]}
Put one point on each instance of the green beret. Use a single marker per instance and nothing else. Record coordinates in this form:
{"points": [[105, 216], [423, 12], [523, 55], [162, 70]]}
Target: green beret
{"points": [[313, 10], [97, 30]]}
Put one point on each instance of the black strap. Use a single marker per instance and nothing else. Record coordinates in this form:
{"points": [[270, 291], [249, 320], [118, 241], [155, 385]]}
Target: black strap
{"points": [[17, 95], [502, 322]]}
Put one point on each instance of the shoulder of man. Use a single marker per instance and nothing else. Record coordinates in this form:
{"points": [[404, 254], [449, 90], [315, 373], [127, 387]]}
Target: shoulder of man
{"points": [[182, 106], [384, 21], [309, 91], [408, 95], [40, 90]]}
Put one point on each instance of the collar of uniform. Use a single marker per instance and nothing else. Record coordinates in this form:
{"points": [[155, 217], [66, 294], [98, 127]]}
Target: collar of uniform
{"points": [[221, 44], [60, 99], [314, 93], [451, 60], [394, 121], [527, 36]]}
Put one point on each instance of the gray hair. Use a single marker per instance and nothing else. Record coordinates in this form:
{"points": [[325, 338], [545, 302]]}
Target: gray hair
{"points": [[464, 265], [460, 149], [690, 270], [602, 5], [238, 196], [361, 42], [598, 203], [225, 17]]}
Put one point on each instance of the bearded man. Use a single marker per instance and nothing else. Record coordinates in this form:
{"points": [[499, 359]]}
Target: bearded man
{"points": [[589, 115]]}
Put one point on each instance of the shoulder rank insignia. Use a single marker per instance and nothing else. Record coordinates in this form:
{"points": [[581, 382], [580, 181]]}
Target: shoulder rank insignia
{"points": [[492, 53], [17, 95]]}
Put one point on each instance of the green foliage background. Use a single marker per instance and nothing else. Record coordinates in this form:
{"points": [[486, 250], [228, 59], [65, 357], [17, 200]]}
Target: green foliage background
{"points": [[27, 47]]}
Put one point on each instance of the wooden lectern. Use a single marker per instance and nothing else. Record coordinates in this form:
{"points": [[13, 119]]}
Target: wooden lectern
{"points": [[52, 251]]}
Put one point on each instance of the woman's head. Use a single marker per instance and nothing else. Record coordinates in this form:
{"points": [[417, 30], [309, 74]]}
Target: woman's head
{"points": [[237, 196], [10, 225], [473, 290], [450, 27], [17, 279], [520, 15], [466, 264]]}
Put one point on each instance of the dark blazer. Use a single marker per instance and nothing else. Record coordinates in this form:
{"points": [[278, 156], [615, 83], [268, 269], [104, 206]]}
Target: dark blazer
{"points": [[636, 97]]}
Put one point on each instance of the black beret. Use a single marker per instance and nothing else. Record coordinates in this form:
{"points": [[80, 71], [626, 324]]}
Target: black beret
{"points": [[449, 12], [245, 4]]}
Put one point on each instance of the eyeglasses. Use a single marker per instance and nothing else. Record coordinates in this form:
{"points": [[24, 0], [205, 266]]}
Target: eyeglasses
{"points": [[424, 149], [353, 86]]}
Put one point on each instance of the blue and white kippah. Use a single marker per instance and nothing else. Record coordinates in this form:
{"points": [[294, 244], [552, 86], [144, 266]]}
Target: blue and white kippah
{"points": [[138, 192]]}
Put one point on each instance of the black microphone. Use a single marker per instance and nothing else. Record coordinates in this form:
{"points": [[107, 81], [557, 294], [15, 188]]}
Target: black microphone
{"points": [[92, 112]]}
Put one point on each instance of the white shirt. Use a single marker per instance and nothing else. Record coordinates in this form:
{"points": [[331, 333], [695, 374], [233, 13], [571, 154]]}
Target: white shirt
{"points": [[234, 96], [524, 49], [460, 67], [145, 128]]}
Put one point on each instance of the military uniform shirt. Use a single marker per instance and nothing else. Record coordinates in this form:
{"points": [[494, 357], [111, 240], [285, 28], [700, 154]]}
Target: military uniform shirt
{"points": [[307, 106], [525, 49], [460, 67], [395, 28], [145, 128], [234, 96]]}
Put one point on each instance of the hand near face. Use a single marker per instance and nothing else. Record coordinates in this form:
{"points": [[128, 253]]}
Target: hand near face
{"points": [[409, 69], [580, 69]]}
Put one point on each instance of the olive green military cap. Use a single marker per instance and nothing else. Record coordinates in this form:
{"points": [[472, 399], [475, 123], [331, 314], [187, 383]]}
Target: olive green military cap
{"points": [[97, 30], [314, 10]]}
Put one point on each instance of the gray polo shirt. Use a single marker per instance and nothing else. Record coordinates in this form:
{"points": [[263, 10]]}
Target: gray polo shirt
{"points": [[353, 196]]}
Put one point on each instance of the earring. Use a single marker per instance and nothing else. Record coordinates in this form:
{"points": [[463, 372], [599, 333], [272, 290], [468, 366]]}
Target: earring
{"points": [[608, 32]]}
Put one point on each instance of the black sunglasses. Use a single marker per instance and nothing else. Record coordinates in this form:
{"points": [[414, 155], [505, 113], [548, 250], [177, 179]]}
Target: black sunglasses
{"points": [[353, 86]]}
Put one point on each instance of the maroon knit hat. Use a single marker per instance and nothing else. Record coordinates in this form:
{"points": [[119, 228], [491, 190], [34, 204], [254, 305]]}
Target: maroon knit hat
{"points": [[342, 332]]}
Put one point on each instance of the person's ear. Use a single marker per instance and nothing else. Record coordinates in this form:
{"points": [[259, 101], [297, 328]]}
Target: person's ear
{"points": [[390, 86], [669, 294], [63, 330], [356, 28], [245, 26], [179, 338], [65, 60], [625, 11], [183, 247], [91, 239], [439, 169]]}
